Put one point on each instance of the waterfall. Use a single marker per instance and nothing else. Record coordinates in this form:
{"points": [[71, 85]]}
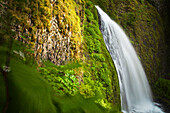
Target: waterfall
{"points": [[135, 91]]}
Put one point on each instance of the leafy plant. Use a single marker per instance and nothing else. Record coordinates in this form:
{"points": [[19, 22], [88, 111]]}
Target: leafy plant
{"points": [[162, 85], [62, 78], [98, 57], [142, 1]]}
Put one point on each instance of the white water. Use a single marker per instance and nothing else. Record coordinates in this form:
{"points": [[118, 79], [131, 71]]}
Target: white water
{"points": [[135, 91]]}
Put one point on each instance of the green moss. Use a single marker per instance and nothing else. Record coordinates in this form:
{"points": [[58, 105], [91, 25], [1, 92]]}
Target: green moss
{"points": [[163, 85], [100, 75], [98, 57], [162, 91], [62, 79]]}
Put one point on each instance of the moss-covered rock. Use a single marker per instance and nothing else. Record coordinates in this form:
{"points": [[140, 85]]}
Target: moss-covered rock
{"points": [[99, 73]]}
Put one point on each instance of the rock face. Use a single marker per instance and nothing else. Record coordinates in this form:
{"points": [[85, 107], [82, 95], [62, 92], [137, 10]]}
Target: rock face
{"points": [[53, 45], [54, 32]]}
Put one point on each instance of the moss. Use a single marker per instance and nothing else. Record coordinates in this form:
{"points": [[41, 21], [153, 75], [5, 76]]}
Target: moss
{"points": [[67, 8], [99, 70], [163, 85], [162, 91]]}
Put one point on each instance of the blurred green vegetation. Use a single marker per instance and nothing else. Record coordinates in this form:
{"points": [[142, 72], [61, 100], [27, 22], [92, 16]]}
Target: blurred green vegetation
{"points": [[26, 88], [162, 91], [31, 93]]}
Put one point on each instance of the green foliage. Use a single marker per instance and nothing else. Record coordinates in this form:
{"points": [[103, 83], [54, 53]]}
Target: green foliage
{"points": [[162, 88], [61, 78], [30, 93], [131, 18], [68, 66], [99, 70], [98, 57], [132, 42], [90, 88], [88, 13], [97, 46], [22, 51], [21, 1], [91, 31], [89, 4], [87, 90], [141, 1], [78, 104], [161, 91], [62, 82], [90, 44]]}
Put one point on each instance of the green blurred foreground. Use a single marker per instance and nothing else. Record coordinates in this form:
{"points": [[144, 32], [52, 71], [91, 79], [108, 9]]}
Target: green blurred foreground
{"points": [[30, 93]]}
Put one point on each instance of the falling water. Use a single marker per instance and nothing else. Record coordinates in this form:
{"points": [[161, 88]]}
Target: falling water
{"points": [[135, 91]]}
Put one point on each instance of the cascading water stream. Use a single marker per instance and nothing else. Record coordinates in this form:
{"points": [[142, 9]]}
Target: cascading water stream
{"points": [[135, 91]]}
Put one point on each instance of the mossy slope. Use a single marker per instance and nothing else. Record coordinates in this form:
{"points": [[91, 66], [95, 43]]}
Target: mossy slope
{"points": [[99, 73]]}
